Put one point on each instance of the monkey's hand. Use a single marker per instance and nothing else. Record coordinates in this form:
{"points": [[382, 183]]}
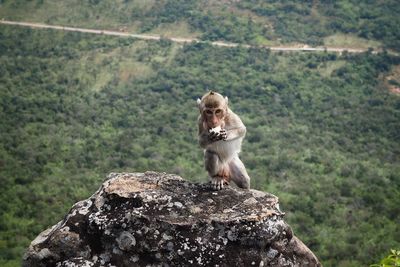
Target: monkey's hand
{"points": [[217, 134], [213, 136], [223, 135]]}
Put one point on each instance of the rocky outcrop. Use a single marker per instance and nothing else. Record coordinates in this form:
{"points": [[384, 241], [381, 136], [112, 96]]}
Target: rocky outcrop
{"points": [[157, 219]]}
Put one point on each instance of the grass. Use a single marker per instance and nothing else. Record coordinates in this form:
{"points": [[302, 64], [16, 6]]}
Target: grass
{"points": [[392, 80], [177, 29], [329, 67], [350, 41]]}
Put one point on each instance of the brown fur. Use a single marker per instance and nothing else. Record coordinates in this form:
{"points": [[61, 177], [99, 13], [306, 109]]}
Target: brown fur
{"points": [[212, 100], [221, 152]]}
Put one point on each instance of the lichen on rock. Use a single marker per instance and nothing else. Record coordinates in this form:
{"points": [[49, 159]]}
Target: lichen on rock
{"points": [[158, 219]]}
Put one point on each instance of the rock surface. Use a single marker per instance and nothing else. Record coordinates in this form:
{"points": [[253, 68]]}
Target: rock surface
{"points": [[158, 219]]}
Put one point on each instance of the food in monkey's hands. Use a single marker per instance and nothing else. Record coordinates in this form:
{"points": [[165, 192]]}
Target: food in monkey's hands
{"points": [[216, 130]]}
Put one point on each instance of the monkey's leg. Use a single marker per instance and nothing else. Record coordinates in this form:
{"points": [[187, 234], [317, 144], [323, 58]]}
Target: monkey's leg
{"points": [[215, 169], [239, 174]]}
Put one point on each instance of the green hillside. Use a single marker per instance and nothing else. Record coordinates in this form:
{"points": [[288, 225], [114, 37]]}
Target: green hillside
{"points": [[323, 129], [322, 132], [338, 23]]}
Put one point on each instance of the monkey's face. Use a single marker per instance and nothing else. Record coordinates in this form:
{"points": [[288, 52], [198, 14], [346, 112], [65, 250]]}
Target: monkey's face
{"points": [[213, 108], [214, 117]]}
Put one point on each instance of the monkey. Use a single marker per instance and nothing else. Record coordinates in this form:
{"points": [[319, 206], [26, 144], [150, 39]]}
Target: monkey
{"points": [[221, 133]]}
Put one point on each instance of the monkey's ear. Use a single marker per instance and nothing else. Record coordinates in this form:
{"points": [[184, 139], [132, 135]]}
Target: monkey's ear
{"points": [[226, 100], [198, 102]]}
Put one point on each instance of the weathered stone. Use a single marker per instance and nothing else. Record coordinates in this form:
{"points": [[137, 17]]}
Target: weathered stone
{"points": [[158, 219]]}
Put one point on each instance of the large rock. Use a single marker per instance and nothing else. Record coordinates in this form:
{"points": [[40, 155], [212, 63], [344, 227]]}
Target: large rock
{"points": [[157, 219]]}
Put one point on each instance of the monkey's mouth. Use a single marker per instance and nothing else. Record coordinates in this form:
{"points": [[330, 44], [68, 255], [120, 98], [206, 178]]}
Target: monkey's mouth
{"points": [[212, 126]]}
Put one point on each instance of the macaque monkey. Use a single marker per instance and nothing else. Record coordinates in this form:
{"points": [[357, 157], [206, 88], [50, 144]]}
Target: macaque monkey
{"points": [[220, 134]]}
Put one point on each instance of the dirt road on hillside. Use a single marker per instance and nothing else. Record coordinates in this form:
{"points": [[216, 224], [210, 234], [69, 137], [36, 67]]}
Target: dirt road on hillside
{"points": [[303, 48]]}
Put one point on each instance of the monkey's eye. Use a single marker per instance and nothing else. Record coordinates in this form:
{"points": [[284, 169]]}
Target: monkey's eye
{"points": [[218, 111], [209, 112]]}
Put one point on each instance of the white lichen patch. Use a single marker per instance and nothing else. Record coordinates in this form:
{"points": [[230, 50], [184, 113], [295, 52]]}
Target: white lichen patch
{"points": [[232, 236], [126, 240], [104, 258], [134, 258], [179, 205], [186, 246], [166, 237], [271, 253], [84, 206]]}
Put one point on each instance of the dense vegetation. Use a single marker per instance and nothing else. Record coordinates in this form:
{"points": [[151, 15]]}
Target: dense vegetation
{"points": [[392, 260], [322, 132], [321, 22]]}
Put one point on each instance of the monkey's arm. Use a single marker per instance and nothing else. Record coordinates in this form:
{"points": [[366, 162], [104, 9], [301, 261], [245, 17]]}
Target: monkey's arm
{"points": [[204, 135], [235, 128], [235, 133], [204, 141]]}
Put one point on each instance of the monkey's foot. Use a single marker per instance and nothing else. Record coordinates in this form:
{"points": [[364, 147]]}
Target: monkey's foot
{"points": [[218, 183]]}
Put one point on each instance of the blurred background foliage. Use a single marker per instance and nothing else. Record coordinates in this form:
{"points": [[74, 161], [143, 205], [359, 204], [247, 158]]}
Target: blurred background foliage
{"points": [[313, 22], [323, 129]]}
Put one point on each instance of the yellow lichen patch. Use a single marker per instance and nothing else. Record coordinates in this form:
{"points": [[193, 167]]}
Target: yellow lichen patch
{"points": [[125, 186]]}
